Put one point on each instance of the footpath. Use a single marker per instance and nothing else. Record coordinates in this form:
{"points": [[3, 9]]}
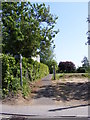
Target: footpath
{"points": [[43, 105]]}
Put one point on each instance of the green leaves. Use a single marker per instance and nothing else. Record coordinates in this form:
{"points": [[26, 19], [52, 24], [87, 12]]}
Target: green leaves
{"points": [[26, 27], [31, 70]]}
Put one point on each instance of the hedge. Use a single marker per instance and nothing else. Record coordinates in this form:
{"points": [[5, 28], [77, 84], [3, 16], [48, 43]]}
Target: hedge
{"points": [[31, 71]]}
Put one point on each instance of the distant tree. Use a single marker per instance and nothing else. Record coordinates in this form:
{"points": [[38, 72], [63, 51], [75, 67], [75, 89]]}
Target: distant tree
{"points": [[51, 64], [66, 67], [85, 62], [81, 70], [47, 55]]}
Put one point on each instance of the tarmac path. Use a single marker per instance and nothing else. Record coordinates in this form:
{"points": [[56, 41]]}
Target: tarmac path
{"points": [[44, 96]]}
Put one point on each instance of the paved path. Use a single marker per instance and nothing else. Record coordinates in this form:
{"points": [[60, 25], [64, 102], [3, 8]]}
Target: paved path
{"points": [[42, 95], [43, 106], [47, 80]]}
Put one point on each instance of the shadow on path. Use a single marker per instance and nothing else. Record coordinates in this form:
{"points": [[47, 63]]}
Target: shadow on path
{"points": [[64, 91]]}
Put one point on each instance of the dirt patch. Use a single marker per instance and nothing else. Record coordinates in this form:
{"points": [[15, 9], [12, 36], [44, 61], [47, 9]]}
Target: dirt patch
{"points": [[74, 75], [67, 91], [18, 99], [71, 79], [71, 91], [12, 99]]}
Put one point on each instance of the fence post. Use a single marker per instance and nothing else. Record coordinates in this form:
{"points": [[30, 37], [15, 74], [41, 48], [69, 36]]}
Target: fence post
{"points": [[21, 83], [54, 72]]}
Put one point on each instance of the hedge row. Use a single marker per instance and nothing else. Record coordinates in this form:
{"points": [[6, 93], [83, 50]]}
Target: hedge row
{"points": [[31, 70]]}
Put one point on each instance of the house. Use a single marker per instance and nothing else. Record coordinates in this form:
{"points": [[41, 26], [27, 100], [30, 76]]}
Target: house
{"points": [[37, 58]]}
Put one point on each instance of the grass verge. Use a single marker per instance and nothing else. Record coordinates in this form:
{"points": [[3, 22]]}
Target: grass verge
{"points": [[70, 75]]}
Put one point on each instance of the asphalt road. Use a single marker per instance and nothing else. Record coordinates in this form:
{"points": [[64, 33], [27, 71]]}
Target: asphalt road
{"points": [[64, 118], [45, 111]]}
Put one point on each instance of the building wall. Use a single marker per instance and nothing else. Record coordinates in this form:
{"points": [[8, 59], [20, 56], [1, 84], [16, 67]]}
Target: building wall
{"points": [[37, 58]]}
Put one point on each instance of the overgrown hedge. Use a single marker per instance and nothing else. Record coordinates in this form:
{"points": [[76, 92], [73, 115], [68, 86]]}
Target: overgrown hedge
{"points": [[31, 71]]}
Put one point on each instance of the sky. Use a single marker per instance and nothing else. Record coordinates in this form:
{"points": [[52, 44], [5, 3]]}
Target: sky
{"points": [[70, 41]]}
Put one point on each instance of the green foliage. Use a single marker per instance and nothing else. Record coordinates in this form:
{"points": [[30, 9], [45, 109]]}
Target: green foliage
{"points": [[11, 74], [27, 28], [51, 64], [85, 75], [81, 70], [46, 57], [66, 67], [85, 62], [59, 76], [85, 65]]}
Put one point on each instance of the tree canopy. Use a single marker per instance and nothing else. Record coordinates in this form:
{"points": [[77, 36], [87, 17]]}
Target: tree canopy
{"points": [[85, 62], [66, 67], [28, 29]]}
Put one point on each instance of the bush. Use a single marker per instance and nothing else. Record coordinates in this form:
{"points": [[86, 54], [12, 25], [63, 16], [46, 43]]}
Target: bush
{"points": [[66, 67], [51, 64], [11, 73], [81, 70]]}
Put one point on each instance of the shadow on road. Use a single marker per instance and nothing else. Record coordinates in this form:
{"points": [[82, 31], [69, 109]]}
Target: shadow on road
{"points": [[14, 118], [18, 117], [64, 91], [52, 110]]}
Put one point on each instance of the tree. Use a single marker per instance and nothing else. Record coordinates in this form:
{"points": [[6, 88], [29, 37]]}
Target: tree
{"points": [[47, 55], [66, 67], [51, 64], [85, 62], [27, 28], [81, 70]]}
